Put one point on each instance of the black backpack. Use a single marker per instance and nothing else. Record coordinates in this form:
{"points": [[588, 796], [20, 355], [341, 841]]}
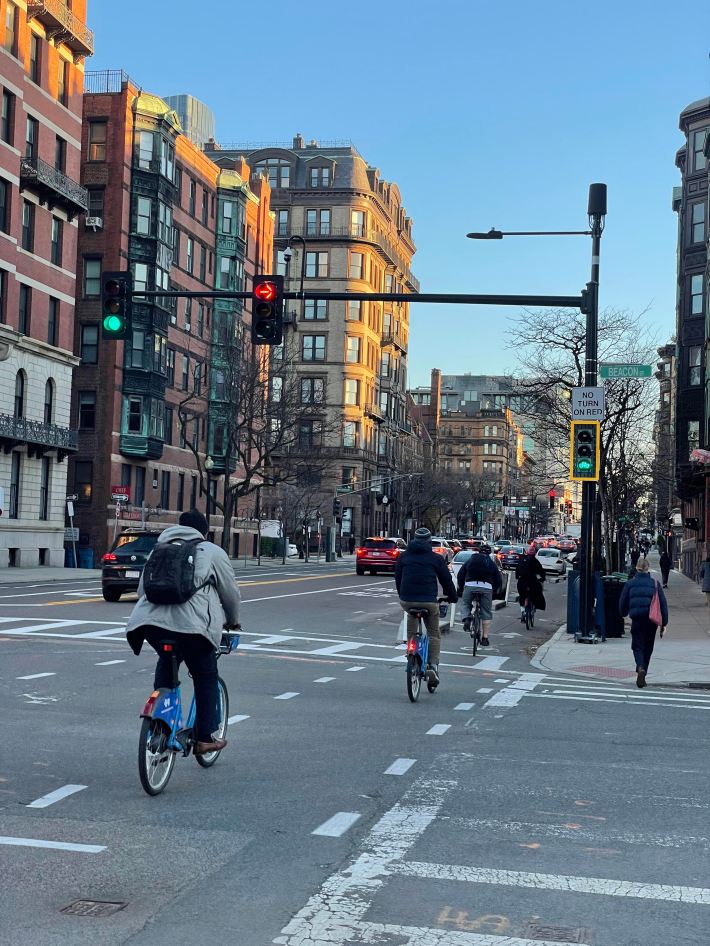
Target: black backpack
{"points": [[169, 573]]}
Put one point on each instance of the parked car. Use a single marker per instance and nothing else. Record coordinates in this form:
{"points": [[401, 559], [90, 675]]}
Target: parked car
{"points": [[509, 556], [292, 550], [122, 566], [378, 555], [552, 560], [441, 545]]}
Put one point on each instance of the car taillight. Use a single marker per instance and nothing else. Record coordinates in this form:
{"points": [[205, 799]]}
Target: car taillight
{"points": [[393, 552], [109, 557], [360, 551]]}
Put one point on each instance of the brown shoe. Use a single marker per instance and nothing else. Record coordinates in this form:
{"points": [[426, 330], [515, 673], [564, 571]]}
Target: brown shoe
{"points": [[202, 748], [640, 678]]}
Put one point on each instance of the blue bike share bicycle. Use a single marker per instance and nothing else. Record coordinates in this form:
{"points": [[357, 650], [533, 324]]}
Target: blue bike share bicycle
{"points": [[162, 732], [418, 657]]}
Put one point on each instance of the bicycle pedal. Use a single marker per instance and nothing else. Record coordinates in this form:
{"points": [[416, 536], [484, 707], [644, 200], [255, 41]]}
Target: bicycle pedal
{"points": [[183, 737]]}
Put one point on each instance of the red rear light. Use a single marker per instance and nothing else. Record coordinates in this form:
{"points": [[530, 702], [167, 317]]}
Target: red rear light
{"points": [[360, 551], [167, 648], [109, 557], [393, 552], [411, 645], [150, 703]]}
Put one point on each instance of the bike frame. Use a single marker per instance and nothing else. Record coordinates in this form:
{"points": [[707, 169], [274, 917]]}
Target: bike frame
{"points": [[421, 646]]}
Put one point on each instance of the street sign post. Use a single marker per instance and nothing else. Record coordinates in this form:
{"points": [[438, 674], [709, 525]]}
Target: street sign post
{"points": [[588, 403], [612, 372]]}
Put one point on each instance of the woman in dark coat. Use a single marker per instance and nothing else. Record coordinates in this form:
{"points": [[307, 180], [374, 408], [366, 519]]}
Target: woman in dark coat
{"points": [[636, 601], [530, 575], [665, 564]]}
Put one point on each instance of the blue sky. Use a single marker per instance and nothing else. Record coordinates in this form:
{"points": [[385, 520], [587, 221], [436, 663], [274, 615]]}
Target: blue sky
{"points": [[484, 113]]}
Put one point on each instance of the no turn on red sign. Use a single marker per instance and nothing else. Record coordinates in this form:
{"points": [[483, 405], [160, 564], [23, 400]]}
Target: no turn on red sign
{"points": [[588, 403]]}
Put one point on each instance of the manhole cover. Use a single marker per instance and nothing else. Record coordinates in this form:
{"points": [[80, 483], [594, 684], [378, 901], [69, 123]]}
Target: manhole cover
{"points": [[557, 934], [98, 908], [605, 671]]}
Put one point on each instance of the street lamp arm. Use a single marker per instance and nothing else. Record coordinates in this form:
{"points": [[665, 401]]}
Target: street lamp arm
{"points": [[494, 234]]}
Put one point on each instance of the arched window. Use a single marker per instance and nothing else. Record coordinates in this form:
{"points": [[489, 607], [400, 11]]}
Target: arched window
{"points": [[20, 394], [48, 401]]}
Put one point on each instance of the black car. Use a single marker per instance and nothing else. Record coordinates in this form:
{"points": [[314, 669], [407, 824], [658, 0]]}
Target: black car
{"points": [[122, 566], [510, 555]]}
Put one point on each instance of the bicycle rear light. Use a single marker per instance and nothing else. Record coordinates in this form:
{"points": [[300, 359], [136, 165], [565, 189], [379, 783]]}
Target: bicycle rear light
{"points": [[411, 645]]}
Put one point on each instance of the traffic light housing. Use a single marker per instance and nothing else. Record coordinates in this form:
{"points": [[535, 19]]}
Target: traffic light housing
{"points": [[116, 304], [584, 450], [267, 322], [337, 507]]}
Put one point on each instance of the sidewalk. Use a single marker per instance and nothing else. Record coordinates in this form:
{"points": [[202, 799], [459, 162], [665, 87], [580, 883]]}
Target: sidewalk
{"points": [[682, 657]]}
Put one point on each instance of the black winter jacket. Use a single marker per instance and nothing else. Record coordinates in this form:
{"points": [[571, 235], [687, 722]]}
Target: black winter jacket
{"points": [[417, 570], [637, 596], [480, 567]]}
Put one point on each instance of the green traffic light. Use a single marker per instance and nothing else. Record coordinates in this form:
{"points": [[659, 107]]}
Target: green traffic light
{"points": [[112, 323], [584, 465]]}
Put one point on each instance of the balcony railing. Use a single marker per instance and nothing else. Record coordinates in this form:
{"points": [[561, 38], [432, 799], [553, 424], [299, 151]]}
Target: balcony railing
{"points": [[106, 81], [394, 338], [37, 436], [375, 411], [54, 188], [62, 25]]}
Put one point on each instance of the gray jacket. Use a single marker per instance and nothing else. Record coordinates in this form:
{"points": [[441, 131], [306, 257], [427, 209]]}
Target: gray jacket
{"points": [[206, 611]]}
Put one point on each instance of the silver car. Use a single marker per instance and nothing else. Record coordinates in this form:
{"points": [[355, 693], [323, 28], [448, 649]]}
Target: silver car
{"points": [[552, 560]]}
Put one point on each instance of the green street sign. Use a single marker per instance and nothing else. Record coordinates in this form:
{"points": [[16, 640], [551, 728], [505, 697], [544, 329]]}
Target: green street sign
{"points": [[343, 489], [625, 371]]}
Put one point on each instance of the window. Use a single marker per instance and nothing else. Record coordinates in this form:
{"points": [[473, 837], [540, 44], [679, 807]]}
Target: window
{"points": [[352, 392], [31, 137], [352, 349], [170, 367], [20, 394], [277, 171], [139, 497], [357, 224], [277, 385], [60, 153], [96, 203], [62, 81], [695, 370], [320, 177], [385, 368], [143, 215], [92, 277], [188, 315], [165, 225], [89, 344], [25, 309], [197, 375], [7, 120], [5, 199], [135, 354], [354, 311], [190, 254], [87, 410], [49, 401], [317, 265], [11, 28], [693, 434], [55, 252], [200, 319], [218, 381], [351, 433], [28, 226], [191, 196], [205, 206], [317, 222], [97, 140], [185, 372], [3, 296], [697, 294], [203, 262], [146, 145], [697, 222], [312, 390], [226, 224], [315, 309], [699, 159], [160, 350], [15, 476], [83, 481], [309, 433], [357, 268], [313, 348], [282, 223], [134, 415], [193, 493], [167, 159], [44, 482]]}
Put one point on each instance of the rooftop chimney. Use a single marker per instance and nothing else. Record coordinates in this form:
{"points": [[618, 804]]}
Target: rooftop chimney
{"points": [[298, 142]]}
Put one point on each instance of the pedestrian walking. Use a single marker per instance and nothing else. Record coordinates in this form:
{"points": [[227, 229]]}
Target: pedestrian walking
{"points": [[644, 601], [635, 555], [705, 577], [665, 564]]}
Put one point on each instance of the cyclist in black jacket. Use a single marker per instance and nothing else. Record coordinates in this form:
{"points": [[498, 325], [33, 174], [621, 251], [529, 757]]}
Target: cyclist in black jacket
{"points": [[530, 575], [479, 575]]}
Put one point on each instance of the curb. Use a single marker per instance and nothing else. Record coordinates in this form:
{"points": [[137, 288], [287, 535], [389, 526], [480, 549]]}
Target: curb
{"points": [[93, 575], [540, 654]]}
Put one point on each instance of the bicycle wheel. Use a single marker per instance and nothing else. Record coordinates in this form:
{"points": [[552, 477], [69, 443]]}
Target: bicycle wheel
{"points": [[155, 759], [209, 758], [475, 629], [414, 680]]}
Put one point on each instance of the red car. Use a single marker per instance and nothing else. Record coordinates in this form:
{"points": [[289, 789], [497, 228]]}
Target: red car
{"points": [[378, 555]]}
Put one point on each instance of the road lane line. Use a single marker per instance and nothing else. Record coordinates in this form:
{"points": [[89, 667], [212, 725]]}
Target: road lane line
{"points": [[46, 800], [54, 845], [237, 719], [372, 932], [490, 663], [337, 649], [299, 594], [273, 639], [337, 825], [485, 690], [109, 663], [464, 706], [535, 881], [286, 696], [439, 729], [515, 691], [36, 676], [400, 766], [355, 669], [289, 581], [324, 680], [38, 594]]}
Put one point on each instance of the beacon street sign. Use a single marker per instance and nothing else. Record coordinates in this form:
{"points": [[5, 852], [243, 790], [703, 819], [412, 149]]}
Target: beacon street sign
{"points": [[588, 403], [625, 371]]}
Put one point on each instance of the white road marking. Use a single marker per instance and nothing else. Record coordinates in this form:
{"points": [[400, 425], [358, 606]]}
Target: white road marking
{"points": [[439, 729], [324, 680], [400, 766], [54, 845], [490, 663], [46, 800], [516, 690], [38, 594], [353, 669], [273, 639], [337, 825], [429, 936], [104, 633], [286, 696], [336, 649], [236, 719], [44, 626], [36, 676], [299, 594], [520, 878], [502, 680], [464, 706], [611, 699], [109, 663]]}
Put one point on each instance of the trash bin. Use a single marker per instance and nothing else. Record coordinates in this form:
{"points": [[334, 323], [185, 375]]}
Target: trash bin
{"points": [[86, 558], [69, 557], [613, 587], [573, 602]]}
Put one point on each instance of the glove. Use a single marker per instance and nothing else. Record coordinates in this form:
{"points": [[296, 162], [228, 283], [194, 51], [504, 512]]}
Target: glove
{"points": [[452, 600]]}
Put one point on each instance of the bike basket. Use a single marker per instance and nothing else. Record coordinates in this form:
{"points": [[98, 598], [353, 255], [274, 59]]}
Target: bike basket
{"points": [[443, 609], [228, 643]]}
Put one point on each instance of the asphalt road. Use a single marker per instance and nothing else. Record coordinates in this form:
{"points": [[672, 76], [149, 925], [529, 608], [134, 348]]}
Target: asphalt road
{"points": [[510, 808]]}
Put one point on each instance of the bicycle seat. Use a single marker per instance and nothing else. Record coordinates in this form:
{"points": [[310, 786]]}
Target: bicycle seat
{"points": [[417, 613]]}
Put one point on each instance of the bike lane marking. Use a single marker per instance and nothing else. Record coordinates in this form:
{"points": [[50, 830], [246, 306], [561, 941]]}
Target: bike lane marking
{"points": [[286, 696], [46, 800], [400, 766], [54, 845], [36, 676], [336, 826], [237, 719], [439, 729], [109, 663]]}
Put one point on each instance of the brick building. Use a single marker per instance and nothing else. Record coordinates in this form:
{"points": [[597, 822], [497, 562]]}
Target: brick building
{"points": [[147, 409], [42, 50]]}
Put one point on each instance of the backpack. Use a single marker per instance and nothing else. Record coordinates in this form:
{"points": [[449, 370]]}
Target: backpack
{"points": [[169, 573]]}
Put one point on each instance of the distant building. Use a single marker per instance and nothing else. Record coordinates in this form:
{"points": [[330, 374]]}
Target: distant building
{"points": [[196, 119], [42, 208], [663, 438]]}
